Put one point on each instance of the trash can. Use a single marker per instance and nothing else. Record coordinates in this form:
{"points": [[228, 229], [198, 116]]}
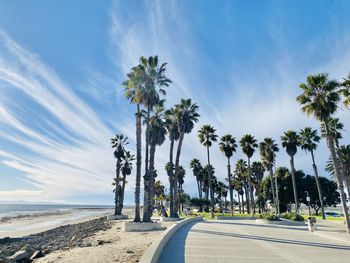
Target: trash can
{"points": [[311, 222]]}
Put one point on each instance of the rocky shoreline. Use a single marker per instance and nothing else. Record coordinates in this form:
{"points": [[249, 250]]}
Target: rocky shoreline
{"points": [[61, 238]]}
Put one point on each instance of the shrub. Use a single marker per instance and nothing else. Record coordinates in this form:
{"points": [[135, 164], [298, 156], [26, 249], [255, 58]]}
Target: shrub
{"points": [[270, 217], [293, 216]]}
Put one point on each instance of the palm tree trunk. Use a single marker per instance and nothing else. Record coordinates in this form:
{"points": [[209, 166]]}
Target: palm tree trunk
{"points": [[177, 162], [239, 203], [121, 202], [272, 187], [242, 203], [294, 184], [116, 195], [252, 206], [152, 179], [210, 186], [319, 190], [146, 196], [138, 165], [338, 176], [246, 192], [277, 196], [171, 178], [229, 183]]}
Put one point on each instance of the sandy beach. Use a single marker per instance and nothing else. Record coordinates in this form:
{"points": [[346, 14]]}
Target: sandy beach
{"points": [[66, 237]]}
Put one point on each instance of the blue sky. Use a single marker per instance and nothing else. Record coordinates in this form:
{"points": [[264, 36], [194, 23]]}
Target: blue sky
{"points": [[62, 62]]}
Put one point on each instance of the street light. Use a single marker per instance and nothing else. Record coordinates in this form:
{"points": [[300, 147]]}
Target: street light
{"points": [[308, 201]]}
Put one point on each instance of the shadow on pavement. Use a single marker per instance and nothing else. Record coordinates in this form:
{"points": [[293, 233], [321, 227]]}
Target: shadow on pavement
{"points": [[275, 240], [298, 228], [174, 251]]}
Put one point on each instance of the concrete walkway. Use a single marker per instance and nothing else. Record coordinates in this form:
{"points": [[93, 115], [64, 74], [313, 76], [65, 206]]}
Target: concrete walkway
{"points": [[244, 241]]}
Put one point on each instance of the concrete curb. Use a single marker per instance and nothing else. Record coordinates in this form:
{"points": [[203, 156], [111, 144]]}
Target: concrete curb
{"points": [[152, 254]]}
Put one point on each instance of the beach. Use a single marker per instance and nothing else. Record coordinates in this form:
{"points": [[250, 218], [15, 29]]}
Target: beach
{"points": [[72, 235]]}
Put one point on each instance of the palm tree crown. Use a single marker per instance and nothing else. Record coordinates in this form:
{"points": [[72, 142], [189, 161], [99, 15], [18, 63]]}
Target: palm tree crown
{"points": [[290, 141], [268, 149], [228, 145], [187, 114], [320, 97], [309, 139], [207, 135], [248, 143]]}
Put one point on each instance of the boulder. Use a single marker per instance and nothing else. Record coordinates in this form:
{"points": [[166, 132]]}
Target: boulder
{"points": [[37, 254], [19, 255]]}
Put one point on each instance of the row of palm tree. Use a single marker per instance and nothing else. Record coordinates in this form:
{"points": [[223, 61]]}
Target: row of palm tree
{"points": [[144, 87]]}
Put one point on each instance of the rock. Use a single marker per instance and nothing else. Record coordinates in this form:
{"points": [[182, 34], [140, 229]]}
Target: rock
{"points": [[19, 255], [130, 252], [100, 242], [37, 254], [88, 244]]}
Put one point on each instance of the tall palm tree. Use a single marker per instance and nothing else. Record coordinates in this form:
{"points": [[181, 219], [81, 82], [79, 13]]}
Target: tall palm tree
{"points": [[320, 98], [196, 167], [157, 135], [268, 150], [207, 136], [133, 92], [258, 171], [118, 142], [343, 153], [240, 173], [228, 147], [187, 117], [248, 144], [126, 170], [172, 125], [291, 141], [182, 173], [153, 82], [308, 142]]}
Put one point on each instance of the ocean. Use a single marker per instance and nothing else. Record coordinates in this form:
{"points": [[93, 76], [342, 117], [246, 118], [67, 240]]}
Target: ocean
{"points": [[27, 209]]}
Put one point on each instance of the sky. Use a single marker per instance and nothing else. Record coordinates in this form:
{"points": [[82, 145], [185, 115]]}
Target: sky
{"points": [[62, 64]]}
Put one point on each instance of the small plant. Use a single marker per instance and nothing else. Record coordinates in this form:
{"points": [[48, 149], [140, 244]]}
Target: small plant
{"points": [[293, 217], [270, 217]]}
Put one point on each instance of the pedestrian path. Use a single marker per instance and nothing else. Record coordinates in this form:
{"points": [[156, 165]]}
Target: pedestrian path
{"points": [[244, 241]]}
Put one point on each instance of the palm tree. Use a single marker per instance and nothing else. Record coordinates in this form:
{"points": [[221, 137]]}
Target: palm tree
{"points": [[182, 173], [196, 167], [343, 153], [248, 145], [228, 147], [320, 98], [346, 91], [118, 142], [172, 125], [207, 136], [153, 81], [268, 149], [291, 141], [157, 134], [187, 116], [133, 92], [258, 171], [126, 170], [240, 181], [308, 142]]}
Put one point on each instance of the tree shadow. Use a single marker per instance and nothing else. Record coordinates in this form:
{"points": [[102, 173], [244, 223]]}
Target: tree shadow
{"points": [[298, 228], [274, 240], [174, 250]]}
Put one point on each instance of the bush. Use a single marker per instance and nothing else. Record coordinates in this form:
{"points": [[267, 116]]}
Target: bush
{"points": [[293, 217], [270, 217]]}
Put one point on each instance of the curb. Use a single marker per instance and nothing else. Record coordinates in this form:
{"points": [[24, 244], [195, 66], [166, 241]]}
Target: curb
{"points": [[152, 253]]}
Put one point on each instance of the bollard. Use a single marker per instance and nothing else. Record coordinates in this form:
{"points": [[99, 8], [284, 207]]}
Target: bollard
{"points": [[311, 222]]}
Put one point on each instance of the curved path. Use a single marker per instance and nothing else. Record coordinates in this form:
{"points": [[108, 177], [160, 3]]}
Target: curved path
{"points": [[244, 241]]}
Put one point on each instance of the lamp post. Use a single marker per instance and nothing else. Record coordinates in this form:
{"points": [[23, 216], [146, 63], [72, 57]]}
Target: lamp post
{"points": [[308, 201]]}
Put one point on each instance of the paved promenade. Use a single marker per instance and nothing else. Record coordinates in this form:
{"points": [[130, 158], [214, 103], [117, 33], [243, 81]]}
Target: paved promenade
{"points": [[244, 241]]}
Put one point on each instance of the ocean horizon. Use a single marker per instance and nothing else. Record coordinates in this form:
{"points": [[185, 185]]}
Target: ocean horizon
{"points": [[16, 209]]}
